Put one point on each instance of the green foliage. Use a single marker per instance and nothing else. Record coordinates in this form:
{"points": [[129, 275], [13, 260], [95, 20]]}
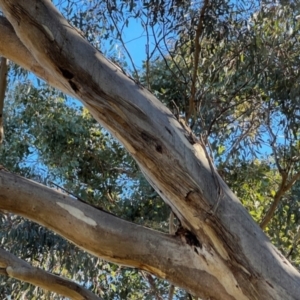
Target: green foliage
{"points": [[52, 139], [247, 103], [247, 100]]}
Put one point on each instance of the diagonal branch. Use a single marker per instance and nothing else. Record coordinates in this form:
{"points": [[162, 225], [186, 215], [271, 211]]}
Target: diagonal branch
{"points": [[13, 49], [217, 256], [292, 181], [152, 284], [105, 235], [268, 216], [119, 35], [285, 183], [16, 268], [284, 187]]}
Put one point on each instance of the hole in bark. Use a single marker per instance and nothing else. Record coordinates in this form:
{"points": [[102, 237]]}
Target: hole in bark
{"points": [[67, 74], [73, 86], [186, 198], [145, 137], [188, 237], [159, 148]]}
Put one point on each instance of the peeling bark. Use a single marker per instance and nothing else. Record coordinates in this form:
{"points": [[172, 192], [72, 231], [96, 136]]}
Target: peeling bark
{"points": [[224, 255]]}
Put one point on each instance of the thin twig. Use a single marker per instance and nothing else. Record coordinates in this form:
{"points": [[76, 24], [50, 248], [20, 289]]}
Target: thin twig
{"points": [[148, 56], [124, 46], [199, 31], [3, 83], [152, 284], [272, 144]]}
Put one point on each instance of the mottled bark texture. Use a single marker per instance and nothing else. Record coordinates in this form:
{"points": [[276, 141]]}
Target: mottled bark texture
{"points": [[221, 255]]}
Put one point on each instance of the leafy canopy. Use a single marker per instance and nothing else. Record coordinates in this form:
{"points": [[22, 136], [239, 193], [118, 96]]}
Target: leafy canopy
{"points": [[240, 80]]}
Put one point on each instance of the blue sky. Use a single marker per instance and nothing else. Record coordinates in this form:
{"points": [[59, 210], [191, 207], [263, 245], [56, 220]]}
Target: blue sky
{"points": [[135, 39]]}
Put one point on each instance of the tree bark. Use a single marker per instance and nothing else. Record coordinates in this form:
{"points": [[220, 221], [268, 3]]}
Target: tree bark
{"points": [[16, 268], [225, 252], [116, 240], [12, 48]]}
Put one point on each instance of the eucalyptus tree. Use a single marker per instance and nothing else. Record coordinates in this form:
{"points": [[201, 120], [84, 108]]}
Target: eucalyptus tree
{"points": [[218, 251]]}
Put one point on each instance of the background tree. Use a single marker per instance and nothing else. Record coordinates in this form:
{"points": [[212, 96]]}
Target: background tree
{"points": [[236, 89]]}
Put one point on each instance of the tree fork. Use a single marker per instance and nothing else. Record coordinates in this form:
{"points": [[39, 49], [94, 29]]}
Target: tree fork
{"points": [[240, 262]]}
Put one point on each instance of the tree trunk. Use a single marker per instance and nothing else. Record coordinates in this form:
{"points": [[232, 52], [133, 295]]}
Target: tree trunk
{"points": [[221, 253]]}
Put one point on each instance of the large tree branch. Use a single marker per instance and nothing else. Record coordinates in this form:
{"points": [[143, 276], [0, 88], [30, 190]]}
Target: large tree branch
{"points": [[128, 110], [12, 48], [114, 239], [17, 268], [234, 247]]}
